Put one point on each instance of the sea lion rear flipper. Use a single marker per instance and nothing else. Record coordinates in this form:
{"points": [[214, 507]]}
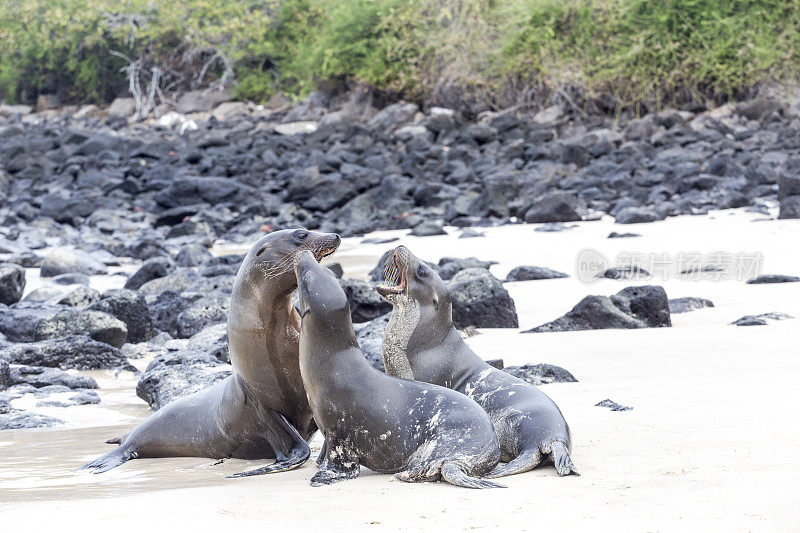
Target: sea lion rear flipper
{"points": [[297, 453], [343, 465], [112, 459], [455, 474], [527, 460], [562, 460]]}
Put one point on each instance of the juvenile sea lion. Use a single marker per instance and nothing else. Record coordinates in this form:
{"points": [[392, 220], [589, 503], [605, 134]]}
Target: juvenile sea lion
{"points": [[421, 343], [261, 411], [418, 431]]}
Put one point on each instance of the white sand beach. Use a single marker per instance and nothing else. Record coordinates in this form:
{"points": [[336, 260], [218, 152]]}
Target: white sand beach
{"points": [[712, 442]]}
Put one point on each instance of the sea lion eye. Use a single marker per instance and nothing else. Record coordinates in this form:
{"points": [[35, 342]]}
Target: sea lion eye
{"points": [[261, 251], [301, 235], [421, 272]]}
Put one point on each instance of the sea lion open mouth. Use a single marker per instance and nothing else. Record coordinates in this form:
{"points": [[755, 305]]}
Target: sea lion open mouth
{"points": [[394, 274], [322, 253]]}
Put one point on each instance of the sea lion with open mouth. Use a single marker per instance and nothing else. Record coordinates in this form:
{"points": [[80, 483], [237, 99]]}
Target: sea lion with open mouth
{"points": [[421, 343], [261, 411], [418, 431]]}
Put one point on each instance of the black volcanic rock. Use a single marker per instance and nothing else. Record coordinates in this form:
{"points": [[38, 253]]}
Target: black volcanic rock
{"points": [[450, 266], [365, 303], [479, 299], [38, 377], [131, 308], [529, 273], [370, 339], [631, 308], [760, 320], [553, 207], [73, 351], [173, 376], [12, 283], [154, 268], [773, 278], [95, 324], [541, 373], [63, 261], [688, 303]]}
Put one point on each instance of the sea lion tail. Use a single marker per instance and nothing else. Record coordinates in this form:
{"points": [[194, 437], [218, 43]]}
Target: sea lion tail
{"points": [[562, 460], [527, 460], [455, 474], [112, 459]]}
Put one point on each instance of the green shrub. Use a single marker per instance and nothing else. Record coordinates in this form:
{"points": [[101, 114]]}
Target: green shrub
{"points": [[497, 53]]}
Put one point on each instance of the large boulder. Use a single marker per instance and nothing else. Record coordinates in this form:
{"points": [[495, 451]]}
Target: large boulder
{"points": [[131, 308], [450, 266], [365, 303], [95, 324], [67, 209], [23, 420], [179, 374], [63, 260], [631, 308], [12, 283], [18, 322], [195, 190], [529, 273], [392, 116], [211, 308], [39, 377], [74, 351], [541, 374], [178, 280], [636, 215], [212, 340], [553, 207], [480, 300], [370, 339], [192, 255]]}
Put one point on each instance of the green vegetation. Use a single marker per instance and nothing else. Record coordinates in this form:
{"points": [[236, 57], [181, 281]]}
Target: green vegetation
{"points": [[491, 52]]}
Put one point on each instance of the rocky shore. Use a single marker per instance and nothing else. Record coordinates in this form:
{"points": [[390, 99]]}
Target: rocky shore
{"points": [[87, 194]]}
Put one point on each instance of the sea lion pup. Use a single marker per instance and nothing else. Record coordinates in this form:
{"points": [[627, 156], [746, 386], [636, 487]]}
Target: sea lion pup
{"points": [[261, 410], [418, 431], [421, 343]]}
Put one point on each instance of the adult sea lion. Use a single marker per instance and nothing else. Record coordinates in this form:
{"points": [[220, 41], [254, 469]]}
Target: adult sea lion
{"points": [[418, 431], [261, 411], [421, 343]]}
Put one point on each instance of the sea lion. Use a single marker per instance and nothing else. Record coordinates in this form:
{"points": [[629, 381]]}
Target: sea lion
{"points": [[261, 410], [418, 431], [421, 343]]}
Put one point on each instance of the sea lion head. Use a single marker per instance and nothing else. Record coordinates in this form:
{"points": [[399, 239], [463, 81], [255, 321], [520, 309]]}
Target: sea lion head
{"points": [[322, 302], [409, 280], [272, 257]]}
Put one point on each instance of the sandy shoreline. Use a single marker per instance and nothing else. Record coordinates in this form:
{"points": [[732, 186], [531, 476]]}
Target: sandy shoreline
{"points": [[713, 441]]}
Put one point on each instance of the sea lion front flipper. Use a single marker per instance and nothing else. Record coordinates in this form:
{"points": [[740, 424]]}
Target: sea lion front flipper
{"points": [[562, 460], [286, 457], [455, 474], [336, 466], [112, 459], [527, 460]]}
